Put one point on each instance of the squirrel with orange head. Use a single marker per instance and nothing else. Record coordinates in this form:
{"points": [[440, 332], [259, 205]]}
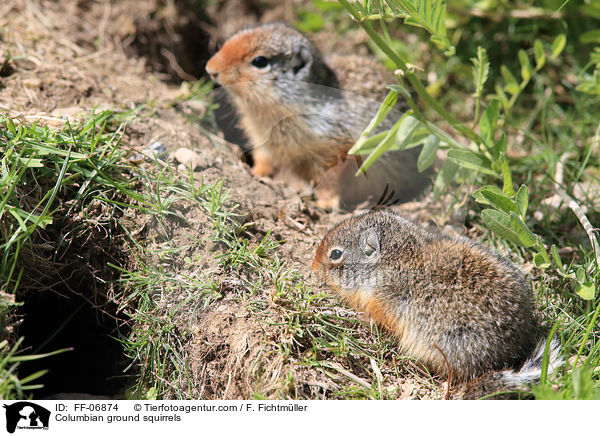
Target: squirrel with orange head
{"points": [[302, 113]]}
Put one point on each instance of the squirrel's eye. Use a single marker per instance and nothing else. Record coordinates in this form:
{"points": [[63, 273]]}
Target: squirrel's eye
{"points": [[335, 254], [260, 62]]}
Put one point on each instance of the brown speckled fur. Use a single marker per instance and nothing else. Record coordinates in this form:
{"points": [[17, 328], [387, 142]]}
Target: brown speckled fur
{"points": [[432, 290]]}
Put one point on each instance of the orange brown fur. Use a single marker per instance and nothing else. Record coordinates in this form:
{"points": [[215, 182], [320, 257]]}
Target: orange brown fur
{"points": [[451, 303], [235, 52]]}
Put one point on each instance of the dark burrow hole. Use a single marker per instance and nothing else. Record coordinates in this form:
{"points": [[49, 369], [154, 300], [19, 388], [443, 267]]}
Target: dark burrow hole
{"points": [[59, 318], [95, 364], [174, 43]]}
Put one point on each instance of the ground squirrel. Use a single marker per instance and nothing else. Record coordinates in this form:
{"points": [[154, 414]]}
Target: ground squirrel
{"points": [[452, 303], [302, 113]]}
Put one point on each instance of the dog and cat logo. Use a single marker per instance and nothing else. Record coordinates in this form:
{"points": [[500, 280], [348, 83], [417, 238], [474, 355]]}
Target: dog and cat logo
{"points": [[26, 415]]}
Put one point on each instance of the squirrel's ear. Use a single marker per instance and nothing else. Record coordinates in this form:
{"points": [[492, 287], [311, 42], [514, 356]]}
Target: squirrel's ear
{"points": [[369, 242], [302, 62]]}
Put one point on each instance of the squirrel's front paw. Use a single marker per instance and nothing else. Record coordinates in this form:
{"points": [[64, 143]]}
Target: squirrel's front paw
{"points": [[261, 170], [262, 163], [327, 199]]}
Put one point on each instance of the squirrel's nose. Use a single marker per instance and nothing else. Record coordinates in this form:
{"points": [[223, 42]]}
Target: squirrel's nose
{"points": [[212, 72], [318, 258]]}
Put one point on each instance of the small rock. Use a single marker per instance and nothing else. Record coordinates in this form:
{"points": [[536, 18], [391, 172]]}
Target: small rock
{"points": [[188, 158], [136, 158], [67, 112], [156, 149], [538, 215]]}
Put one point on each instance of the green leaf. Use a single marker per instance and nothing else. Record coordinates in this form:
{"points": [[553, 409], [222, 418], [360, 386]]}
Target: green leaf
{"points": [[32, 377], [501, 95], [367, 145], [400, 90], [361, 8], [427, 14], [592, 9], [31, 163], [470, 159], [387, 143], [405, 131], [45, 150], [481, 67], [428, 153], [378, 4], [500, 146], [15, 214], [512, 88], [489, 120], [522, 201], [510, 82], [526, 70], [590, 37], [558, 45], [543, 260], [498, 200], [30, 357], [540, 261], [586, 290], [414, 139], [546, 354], [24, 217], [590, 84], [583, 384], [445, 137], [525, 235], [508, 184], [481, 199], [384, 109], [499, 223], [557, 259], [11, 126], [540, 56]]}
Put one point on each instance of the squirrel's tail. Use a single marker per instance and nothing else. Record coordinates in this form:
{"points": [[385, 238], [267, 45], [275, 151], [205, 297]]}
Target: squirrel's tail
{"points": [[497, 384]]}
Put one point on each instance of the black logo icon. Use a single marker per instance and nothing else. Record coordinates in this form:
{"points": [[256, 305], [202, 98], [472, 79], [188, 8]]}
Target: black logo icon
{"points": [[26, 415]]}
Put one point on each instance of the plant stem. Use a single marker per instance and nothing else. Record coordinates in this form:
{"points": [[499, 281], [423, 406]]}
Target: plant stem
{"points": [[409, 74]]}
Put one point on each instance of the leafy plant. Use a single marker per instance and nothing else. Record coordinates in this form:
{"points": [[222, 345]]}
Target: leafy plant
{"points": [[482, 145], [485, 146], [590, 83]]}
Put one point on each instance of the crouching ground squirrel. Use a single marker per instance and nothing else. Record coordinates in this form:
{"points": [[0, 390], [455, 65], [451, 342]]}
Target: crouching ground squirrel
{"points": [[452, 303], [302, 113]]}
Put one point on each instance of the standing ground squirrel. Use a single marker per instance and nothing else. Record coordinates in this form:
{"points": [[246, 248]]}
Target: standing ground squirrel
{"points": [[452, 303], [302, 113]]}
